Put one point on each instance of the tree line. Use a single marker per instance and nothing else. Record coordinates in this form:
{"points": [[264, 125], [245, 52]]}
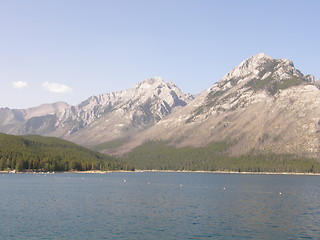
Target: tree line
{"points": [[214, 157], [37, 153]]}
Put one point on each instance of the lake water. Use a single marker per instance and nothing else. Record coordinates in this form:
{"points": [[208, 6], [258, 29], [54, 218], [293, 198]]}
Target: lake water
{"points": [[152, 205]]}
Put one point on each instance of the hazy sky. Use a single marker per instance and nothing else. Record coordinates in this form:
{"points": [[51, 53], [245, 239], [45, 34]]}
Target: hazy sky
{"points": [[64, 50]]}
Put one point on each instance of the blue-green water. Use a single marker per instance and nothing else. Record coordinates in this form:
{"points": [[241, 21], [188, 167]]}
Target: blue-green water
{"points": [[152, 205]]}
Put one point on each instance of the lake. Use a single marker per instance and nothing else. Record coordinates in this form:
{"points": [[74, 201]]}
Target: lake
{"points": [[159, 205]]}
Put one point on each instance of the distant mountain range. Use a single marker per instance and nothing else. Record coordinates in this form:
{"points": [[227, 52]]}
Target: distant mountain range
{"points": [[100, 118], [263, 105]]}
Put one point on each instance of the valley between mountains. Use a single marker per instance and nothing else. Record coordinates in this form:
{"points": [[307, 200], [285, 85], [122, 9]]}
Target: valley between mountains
{"points": [[263, 115]]}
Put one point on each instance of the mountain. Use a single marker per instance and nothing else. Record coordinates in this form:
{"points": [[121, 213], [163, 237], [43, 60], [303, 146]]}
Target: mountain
{"points": [[101, 118], [263, 105], [40, 120], [124, 114], [37, 153]]}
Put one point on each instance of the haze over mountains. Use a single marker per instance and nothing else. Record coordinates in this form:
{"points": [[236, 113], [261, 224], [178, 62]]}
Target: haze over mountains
{"points": [[262, 105]]}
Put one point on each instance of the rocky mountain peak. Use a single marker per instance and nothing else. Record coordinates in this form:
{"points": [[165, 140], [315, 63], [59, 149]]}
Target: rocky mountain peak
{"points": [[248, 66], [255, 79], [126, 112], [151, 83], [262, 68]]}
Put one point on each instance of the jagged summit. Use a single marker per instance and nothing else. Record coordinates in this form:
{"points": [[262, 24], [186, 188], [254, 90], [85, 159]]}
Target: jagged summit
{"points": [[154, 82], [259, 56], [255, 79], [248, 66], [256, 60], [262, 70]]}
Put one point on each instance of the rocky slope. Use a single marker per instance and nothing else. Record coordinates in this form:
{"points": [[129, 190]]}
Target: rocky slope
{"points": [[262, 105], [100, 118]]}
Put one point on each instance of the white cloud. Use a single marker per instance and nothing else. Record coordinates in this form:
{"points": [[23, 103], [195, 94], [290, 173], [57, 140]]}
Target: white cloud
{"points": [[56, 87], [19, 84]]}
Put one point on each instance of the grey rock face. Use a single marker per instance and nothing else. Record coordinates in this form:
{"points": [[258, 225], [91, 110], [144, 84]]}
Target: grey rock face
{"points": [[130, 110]]}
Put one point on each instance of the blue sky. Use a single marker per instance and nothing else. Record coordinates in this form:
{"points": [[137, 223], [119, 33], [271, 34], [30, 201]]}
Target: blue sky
{"points": [[65, 50]]}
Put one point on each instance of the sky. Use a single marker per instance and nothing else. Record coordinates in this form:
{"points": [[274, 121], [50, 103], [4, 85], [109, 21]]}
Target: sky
{"points": [[69, 50]]}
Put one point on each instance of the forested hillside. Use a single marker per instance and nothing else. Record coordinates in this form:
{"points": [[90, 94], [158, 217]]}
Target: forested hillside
{"points": [[214, 157], [37, 153]]}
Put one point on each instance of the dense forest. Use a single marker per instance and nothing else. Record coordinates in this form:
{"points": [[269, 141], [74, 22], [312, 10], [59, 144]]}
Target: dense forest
{"points": [[37, 153], [214, 157]]}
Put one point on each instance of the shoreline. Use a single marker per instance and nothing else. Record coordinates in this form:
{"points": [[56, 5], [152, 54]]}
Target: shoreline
{"points": [[56, 172], [233, 172], [155, 170]]}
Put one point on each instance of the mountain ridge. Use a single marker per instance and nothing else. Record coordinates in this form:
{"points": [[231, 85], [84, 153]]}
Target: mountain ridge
{"points": [[252, 106], [130, 110], [261, 105]]}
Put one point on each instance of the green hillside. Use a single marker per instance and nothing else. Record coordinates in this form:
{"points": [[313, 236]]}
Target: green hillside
{"points": [[37, 153], [214, 157]]}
